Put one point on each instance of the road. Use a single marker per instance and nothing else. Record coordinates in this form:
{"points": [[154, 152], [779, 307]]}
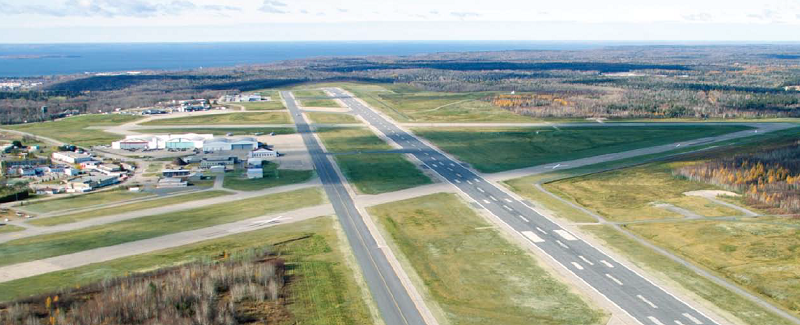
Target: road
{"points": [[635, 295], [393, 301]]}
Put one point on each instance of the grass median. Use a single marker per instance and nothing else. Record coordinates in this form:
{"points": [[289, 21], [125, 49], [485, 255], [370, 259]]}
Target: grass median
{"points": [[332, 118], [149, 204], [226, 118], [10, 228], [314, 98], [73, 130], [49, 245], [322, 286], [222, 131], [493, 150], [84, 201], [472, 272], [370, 172], [273, 177]]}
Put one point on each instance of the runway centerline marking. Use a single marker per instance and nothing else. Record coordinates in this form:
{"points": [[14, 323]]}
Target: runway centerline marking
{"points": [[561, 244], [585, 260], [523, 218], [642, 298], [606, 263], [541, 230], [532, 237], [692, 318], [577, 265], [613, 279]]}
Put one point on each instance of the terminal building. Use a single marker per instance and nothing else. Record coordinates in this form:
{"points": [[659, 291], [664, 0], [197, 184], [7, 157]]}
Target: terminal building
{"points": [[230, 144], [170, 141]]}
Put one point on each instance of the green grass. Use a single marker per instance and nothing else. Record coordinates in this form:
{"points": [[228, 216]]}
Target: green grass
{"points": [[472, 272], [525, 186], [323, 288], [740, 307], [72, 130], [222, 131], [628, 194], [314, 98], [10, 228], [758, 256], [274, 104], [227, 118], [83, 201], [273, 177], [498, 149], [44, 246], [332, 118], [371, 173], [408, 104], [149, 204]]}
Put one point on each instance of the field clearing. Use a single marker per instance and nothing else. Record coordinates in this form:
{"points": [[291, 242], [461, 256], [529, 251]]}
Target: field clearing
{"points": [[71, 130], [371, 173], [84, 200], [323, 288], [441, 237], [408, 104], [525, 187], [80, 216], [314, 98], [221, 131], [227, 118], [273, 177], [492, 150], [274, 104], [646, 258], [332, 118], [760, 257], [61, 243], [628, 194], [10, 228]]}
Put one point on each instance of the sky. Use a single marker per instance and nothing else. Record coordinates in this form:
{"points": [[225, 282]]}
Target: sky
{"points": [[87, 21]]}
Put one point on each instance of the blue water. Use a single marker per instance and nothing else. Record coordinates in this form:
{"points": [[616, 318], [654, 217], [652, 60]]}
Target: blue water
{"points": [[20, 60]]}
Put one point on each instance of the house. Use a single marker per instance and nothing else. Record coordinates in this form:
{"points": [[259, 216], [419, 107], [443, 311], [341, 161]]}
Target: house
{"points": [[71, 157], [253, 173], [127, 166], [109, 168], [254, 162], [176, 173], [263, 153], [224, 161], [49, 190], [229, 144], [89, 164], [171, 182]]}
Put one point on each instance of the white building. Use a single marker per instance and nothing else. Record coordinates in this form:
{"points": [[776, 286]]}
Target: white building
{"points": [[255, 173], [226, 144], [263, 153], [71, 157], [169, 141]]}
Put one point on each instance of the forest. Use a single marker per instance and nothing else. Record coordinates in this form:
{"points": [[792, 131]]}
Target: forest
{"points": [[745, 81], [769, 179]]}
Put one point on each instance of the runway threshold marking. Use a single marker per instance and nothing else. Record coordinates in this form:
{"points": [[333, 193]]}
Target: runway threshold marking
{"points": [[533, 237], [642, 298], [655, 320], [564, 234], [692, 318], [677, 322], [613, 279], [585, 260]]}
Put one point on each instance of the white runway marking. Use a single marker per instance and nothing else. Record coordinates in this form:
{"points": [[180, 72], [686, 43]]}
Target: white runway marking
{"points": [[532, 237], [585, 260], [606, 263], [486, 201], [566, 235], [468, 182], [458, 182], [692, 318], [577, 265], [434, 158], [480, 189], [523, 218], [642, 298], [508, 200], [448, 168], [507, 207], [561, 244], [677, 322], [655, 320], [459, 175], [477, 180], [613, 279], [493, 198], [541, 230]]}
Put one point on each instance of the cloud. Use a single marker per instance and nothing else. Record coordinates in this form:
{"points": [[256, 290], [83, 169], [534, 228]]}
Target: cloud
{"points": [[273, 7], [434, 12], [702, 16], [303, 11], [465, 14], [110, 8], [221, 8], [341, 9]]}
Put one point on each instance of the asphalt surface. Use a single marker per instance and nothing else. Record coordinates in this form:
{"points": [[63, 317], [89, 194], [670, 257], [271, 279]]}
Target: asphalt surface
{"points": [[631, 292], [389, 294]]}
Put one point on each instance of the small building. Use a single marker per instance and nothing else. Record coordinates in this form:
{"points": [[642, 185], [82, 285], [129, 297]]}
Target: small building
{"points": [[263, 153], [90, 164], [171, 182], [71, 157], [176, 173], [130, 144], [26, 171], [226, 144], [109, 168], [224, 161], [254, 162], [253, 173], [88, 183], [49, 190]]}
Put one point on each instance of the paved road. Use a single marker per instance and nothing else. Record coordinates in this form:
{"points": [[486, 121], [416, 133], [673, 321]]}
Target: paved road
{"points": [[634, 294], [391, 297]]}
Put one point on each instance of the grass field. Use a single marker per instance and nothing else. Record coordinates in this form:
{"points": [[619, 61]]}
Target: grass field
{"points": [[525, 187], [83, 201], [371, 173], [72, 129], [43, 246], [222, 131], [10, 228], [498, 149], [331, 118], [764, 258], [272, 177], [314, 98], [274, 104], [646, 258], [408, 104], [323, 288], [473, 273], [227, 118], [628, 194], [149, 204]]}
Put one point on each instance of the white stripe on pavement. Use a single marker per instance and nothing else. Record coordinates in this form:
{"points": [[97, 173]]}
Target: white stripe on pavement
{"points": [[692, 318], [613, 279], [564, 234], [530, 235], [585, 260], [606, 263], [642, 298], [655, 320], [577, 265], [561, 244], [523, 218], [541, 230]]}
